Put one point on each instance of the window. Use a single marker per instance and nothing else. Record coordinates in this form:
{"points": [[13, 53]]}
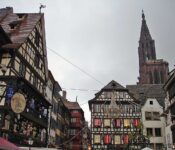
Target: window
{"points": [[136, 123], [117, 139], [149, 131], [151, 77], [107, 139], [156, 116], [37, 60], [157, 131], [97, 108], [152, 115], [96, 139], [37, 37], [75, 111], [126, 123], [126, 139], [73, 132], [107, 123], [151, 102], [22, 69], [73, 120], [117, 123], [7, 122], [148, 115], [162, 77], [97, 122]]}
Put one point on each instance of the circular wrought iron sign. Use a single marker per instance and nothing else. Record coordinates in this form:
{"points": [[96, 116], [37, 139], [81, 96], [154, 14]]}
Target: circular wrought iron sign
{"points": [[18, 103]]}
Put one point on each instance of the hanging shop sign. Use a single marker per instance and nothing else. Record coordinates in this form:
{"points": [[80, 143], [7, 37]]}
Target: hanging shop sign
{"points": [[9, 92], [18, 103]]}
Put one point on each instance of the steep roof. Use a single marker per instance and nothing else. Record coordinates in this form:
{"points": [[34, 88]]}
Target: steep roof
{"points": [[113, 85], [144, 33], [144, 91], [71, 105], [18, 26]]}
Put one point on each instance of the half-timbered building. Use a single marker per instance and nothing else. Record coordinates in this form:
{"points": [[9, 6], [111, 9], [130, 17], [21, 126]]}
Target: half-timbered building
{"points": [[23, 77], [115, 116], [77, 125], [169, 111]]}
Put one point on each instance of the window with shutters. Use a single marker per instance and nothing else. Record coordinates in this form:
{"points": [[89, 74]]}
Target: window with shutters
{"points": [[97, 122], [126, 139], [126, 123], [107, 139], [136, 123], [107, 123], [117, 123], [117, 139], [96, 139]]}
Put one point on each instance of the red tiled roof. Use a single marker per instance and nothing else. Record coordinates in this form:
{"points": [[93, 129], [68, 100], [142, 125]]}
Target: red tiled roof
{"points": [[72, 105], [23, 26]]}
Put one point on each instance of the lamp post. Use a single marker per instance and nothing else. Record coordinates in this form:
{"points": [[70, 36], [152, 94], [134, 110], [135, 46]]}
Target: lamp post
{"points": [[30, 142]]}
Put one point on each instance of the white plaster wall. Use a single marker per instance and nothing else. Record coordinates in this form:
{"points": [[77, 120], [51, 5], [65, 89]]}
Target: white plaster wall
{"points": [[154, 123], [168, 137]]}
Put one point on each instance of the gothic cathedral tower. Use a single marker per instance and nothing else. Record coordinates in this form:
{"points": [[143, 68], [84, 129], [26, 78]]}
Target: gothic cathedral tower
{"points": [[151, 69]]}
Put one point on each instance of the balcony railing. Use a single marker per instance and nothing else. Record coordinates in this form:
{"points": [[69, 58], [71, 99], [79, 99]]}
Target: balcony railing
{"points": [[35, 116]]}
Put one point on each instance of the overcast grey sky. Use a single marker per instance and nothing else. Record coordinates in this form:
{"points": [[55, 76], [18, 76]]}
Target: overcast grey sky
{"points": [[101, 37]]}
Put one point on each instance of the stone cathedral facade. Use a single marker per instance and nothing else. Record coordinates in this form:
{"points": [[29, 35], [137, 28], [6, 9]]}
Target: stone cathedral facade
{"points": [[151, 69]]}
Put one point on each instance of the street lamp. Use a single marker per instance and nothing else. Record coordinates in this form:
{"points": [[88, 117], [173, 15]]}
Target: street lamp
{"points": [[30, 142]]}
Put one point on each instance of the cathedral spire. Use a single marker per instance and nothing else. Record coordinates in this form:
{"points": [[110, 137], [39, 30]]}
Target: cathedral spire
{"points": [[143, 15], [146, 44], [151, 70], [144, 34]]}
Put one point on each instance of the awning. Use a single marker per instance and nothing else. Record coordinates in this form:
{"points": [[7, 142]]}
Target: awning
{"points": [[6, 145]]}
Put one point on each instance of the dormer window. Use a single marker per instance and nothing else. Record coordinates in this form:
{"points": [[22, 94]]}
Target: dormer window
{"points": [[14, 24], [21, 16], [151, 102]]}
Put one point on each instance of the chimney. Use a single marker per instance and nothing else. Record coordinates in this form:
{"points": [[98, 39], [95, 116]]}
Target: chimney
{"points": [[64, 94], [5, 11]]}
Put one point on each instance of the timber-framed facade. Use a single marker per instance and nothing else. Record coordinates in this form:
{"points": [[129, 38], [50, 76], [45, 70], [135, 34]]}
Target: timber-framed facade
{"points": [[109, 130], [23, 71]]}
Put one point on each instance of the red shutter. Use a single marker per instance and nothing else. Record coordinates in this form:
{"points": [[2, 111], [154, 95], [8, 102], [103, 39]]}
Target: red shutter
{"points": [[107, 139], [97, 122], [126, 139], [136, 123], [117, 123]]}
